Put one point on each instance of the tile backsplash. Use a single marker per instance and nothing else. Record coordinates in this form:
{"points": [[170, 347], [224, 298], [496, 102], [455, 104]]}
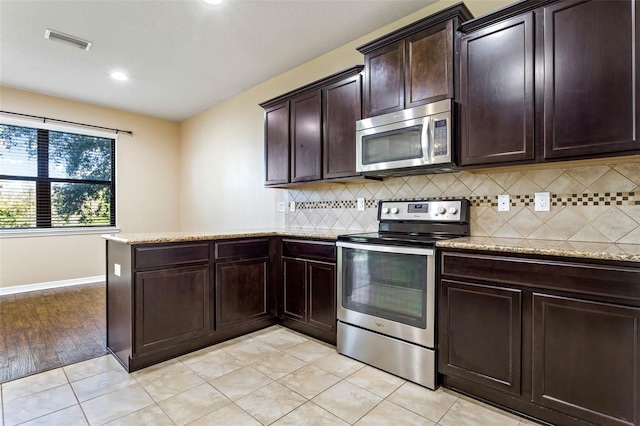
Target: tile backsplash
{"points": [[591, 203]]}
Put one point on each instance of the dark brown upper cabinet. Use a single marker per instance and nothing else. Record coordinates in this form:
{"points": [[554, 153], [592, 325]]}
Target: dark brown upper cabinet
{"points": [[310, 132], [413, 65], [590, 82], [306, 137], [276, 143], [549, 80], [496, 93], [342, 107]]}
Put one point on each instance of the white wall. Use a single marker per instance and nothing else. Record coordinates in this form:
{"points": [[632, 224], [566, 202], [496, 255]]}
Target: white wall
{"points": [[222, 148], [146, 191]]}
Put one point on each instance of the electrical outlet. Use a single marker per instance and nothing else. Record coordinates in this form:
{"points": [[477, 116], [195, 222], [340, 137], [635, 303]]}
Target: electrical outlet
{"points": [[117, 269], [542, 201], [281, 206], [292, 206], [361, 204], [504, 203]]}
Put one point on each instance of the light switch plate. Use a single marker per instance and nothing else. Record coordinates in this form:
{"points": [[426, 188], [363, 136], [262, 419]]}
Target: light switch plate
{"points": [[504, 203], [361, 204], [292, 206], [117, 270], [542, 201]]}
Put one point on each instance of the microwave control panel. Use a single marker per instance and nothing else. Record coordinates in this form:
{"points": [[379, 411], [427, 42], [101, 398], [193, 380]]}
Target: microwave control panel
{"points": [[440, 138]]}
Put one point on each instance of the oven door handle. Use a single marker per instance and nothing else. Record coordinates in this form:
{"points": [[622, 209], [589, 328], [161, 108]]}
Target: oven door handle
{"points": [[387, 249]]}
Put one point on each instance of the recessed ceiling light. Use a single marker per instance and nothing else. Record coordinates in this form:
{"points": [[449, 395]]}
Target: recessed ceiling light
{"points": [[119, 76], [214, 2]]}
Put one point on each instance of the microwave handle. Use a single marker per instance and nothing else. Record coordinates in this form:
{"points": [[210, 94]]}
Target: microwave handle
{"points": [[426, 137]]}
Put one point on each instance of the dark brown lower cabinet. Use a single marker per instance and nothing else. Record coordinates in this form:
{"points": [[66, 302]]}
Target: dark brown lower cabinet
{"points": [[483, 341], [585, 355], [171, 307], [241, 292], [309, 288], [295, 289], [321, 286], [556, 339]]}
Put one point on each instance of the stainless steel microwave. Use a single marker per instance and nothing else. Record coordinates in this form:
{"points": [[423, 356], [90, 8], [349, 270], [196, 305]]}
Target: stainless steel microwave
{"points": [[412, 141]]}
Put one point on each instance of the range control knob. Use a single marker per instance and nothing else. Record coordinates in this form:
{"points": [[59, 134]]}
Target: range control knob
{"points": [[453, 210], [385, 210], [394, 210], [441, 210]]}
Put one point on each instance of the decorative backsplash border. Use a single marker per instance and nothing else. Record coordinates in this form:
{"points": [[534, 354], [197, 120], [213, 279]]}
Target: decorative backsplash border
{"points": [[350, 204], [586, 199]]}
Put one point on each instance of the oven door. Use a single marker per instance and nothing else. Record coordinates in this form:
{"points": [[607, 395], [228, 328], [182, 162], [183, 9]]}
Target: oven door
{"points": [[388, 289]]}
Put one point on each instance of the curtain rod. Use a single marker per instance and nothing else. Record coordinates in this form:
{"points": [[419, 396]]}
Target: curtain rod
{"points": [[45, 119]]}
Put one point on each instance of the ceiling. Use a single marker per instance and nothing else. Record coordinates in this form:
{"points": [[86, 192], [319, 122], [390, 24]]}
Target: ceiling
{"points": [[182, 56]]}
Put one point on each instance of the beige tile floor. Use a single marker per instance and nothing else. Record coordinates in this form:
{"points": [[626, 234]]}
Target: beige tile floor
{"points": [[274, 376]]}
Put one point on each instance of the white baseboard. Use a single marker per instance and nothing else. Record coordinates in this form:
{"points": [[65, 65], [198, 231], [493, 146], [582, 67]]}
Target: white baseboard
{"points": [[51, 284]]}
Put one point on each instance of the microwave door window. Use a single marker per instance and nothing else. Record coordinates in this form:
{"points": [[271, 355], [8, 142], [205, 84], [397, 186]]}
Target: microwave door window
{"points": [[396, 145], [385, 285]]}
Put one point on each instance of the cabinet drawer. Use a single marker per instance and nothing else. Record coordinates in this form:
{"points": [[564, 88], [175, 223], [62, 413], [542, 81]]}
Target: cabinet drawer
{"points": [[242, 249], [309, 249], [149, 257], [574, 276]]}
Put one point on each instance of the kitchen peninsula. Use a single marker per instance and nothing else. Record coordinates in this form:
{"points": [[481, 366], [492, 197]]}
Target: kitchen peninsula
{"points": [[172, 293]]}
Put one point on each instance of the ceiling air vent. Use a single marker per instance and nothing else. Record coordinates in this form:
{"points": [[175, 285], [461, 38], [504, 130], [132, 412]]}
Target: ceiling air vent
{"points": [[66, 38]]}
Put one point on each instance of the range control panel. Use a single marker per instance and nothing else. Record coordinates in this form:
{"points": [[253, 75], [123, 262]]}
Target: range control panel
{"points": [[424, 210]]}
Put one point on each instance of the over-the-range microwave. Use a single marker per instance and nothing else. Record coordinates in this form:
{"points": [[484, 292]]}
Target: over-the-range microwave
{"points": [[411, 141]]}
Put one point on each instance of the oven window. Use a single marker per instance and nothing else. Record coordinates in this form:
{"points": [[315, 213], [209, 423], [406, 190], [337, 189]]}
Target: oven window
{"points": [[386, 285], [396, 145]]}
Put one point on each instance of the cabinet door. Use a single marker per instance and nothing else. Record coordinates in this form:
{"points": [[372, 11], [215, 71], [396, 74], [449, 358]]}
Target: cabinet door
{"points": [[496, 93], [429, 65], [241, 292], [276, 144], [586, 359], [306, 137], [172, 306], [342, 104], [322, 295], [480, 334], [295, 289], [384, 80], [590, 85]]}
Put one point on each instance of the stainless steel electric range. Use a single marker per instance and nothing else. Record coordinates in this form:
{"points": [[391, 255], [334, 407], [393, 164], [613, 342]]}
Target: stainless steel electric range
{"points": [[387, 286]]}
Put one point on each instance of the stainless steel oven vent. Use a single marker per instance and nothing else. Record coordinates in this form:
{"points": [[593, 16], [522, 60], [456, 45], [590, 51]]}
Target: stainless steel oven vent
{"points": [[69, 39]]}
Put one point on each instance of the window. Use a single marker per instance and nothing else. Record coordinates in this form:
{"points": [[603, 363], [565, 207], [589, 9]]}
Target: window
{"points": [[55, 179]]}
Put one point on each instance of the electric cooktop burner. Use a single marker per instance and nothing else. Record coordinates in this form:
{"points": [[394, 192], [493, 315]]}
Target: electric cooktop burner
{"points": [[390, 238]]}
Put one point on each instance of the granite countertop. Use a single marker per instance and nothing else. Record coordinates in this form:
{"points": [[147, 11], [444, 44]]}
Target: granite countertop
{"points": [[583, 250], [177, 237]]}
